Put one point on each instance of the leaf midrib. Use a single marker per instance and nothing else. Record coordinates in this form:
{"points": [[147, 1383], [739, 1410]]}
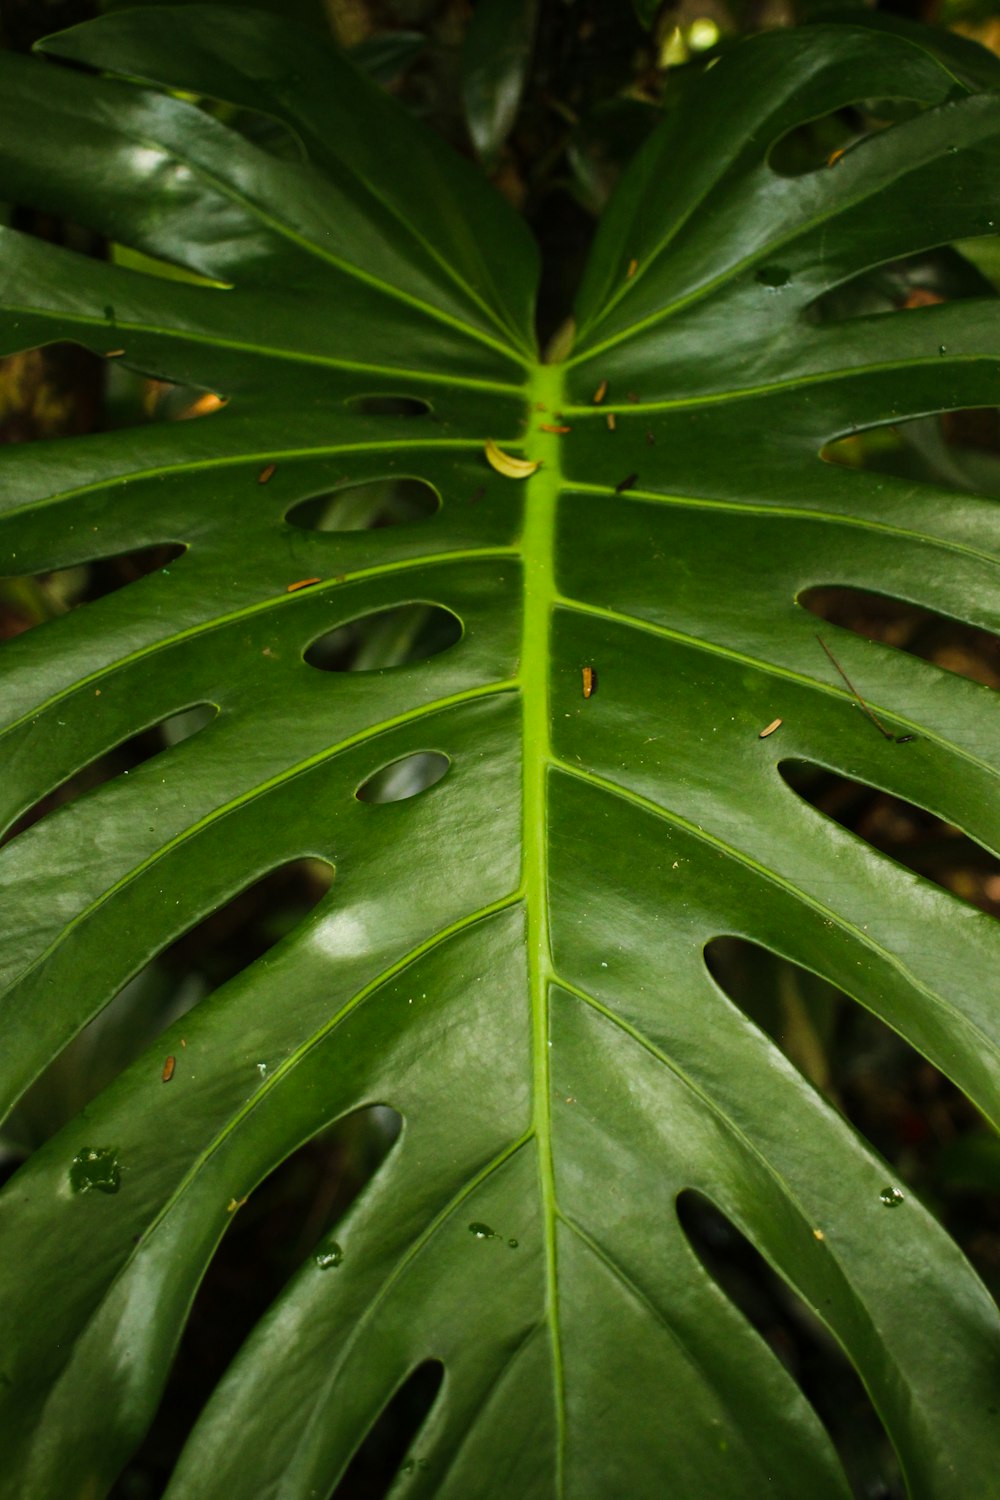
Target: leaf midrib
{"points": [[538, 538]]}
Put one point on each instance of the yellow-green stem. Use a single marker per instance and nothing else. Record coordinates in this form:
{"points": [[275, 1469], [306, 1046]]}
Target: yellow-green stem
{"points": [[538, 544]]}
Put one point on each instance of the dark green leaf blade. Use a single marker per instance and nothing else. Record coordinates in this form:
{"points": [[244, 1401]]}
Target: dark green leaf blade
{"points": [[514, 958], [462, 232], [715, 192]]}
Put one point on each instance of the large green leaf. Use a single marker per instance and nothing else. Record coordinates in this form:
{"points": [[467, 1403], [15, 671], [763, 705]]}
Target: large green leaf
{"points": [[514, 958]]}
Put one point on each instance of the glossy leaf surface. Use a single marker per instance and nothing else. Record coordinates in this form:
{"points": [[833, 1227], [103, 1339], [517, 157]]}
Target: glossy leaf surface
{"points": [[513, 958], [495, 59]]}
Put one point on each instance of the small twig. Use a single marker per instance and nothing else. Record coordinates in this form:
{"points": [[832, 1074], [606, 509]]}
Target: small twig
{"points": [[896, 739]]}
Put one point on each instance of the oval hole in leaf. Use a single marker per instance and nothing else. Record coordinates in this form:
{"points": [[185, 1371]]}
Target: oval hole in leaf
{"points": [[965, 650], [109, 574], [404, 778], [135, 397], [914, 283], [796, 1337], [287, 1219], [808, 147], [126, 755], [28, 600], [183, 974], [959, 449], [384, 1451], [388, 406], [882, 450], [361, 507], [386, 638], [912, 836]]}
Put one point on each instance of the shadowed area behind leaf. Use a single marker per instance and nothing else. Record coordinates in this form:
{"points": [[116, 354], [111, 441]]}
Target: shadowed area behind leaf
{"points": [[797, 1337], [204, 958], [370, 1474], [946, 642], [358, 507], [289, 1217]]}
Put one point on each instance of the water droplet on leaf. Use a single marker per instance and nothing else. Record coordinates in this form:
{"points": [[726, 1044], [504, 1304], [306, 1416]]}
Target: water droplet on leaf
{"points": [[774, 277], [512, 1244], [95, 1167], [331, 1256], [891, 1197], [483, 1232]]}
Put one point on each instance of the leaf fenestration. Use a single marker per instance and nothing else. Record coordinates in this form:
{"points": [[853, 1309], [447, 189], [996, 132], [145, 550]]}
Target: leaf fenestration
{"points": [[513, 960]]}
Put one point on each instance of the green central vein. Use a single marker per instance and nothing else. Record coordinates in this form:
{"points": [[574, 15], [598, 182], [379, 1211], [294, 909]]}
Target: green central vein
{"points": [[538, 542]]}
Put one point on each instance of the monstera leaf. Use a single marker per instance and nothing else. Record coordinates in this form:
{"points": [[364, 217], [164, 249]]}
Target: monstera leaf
{"points": [[514, 957]]}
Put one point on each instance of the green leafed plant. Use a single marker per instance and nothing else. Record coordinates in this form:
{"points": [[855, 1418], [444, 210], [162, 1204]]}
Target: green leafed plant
{"points": [[512, 958]]}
